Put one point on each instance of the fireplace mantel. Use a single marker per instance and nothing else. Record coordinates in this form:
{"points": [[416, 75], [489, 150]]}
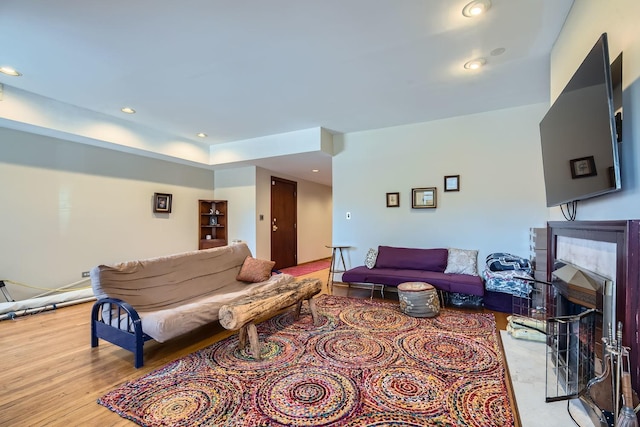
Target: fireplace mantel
{"points": [[625, 234]]}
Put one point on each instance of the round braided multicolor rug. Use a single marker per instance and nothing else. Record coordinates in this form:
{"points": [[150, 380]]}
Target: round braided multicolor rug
{"points": [[277, 352], [479, 403], [406, 389], [333, 303], [308, 396], [287, 323], [448, 352], [353, 349], [367, 363], [169, 400], [379, 320], [386, 419], [478, 324]]}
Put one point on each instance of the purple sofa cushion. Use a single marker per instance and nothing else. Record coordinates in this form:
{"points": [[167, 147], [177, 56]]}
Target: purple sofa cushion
{"points": [[462, 283], [412, 259], [393, 277]]}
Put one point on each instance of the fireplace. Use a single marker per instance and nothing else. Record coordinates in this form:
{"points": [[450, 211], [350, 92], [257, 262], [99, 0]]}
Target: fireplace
{"points": [[581, 310], [598, 288]]}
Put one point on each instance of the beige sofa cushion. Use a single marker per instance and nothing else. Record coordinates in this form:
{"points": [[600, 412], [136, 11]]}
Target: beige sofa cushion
{"points": [[174, 280], [165, 324]]}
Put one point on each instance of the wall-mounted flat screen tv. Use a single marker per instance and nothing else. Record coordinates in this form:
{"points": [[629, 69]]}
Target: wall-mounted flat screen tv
{"points": [[578, 134]]}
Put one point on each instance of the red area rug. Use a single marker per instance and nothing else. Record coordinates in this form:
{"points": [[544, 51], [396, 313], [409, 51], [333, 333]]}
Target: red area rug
{"points": [[309, 267], [366, 364]]}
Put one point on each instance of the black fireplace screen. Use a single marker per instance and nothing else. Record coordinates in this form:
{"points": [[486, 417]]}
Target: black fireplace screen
{"points": [[570, 354]]}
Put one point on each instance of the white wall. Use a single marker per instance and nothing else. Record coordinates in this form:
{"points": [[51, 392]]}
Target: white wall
{"points": [[263, 202], [586, 21], [67, 207], [248, 191], [238, 187], [498, 157], [315, 220]]}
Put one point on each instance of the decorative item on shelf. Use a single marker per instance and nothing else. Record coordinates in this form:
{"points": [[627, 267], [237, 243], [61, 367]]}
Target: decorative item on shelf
{"points": [[393, 200], [423, 198], [212, 223], [162, 202], [452, 183]]}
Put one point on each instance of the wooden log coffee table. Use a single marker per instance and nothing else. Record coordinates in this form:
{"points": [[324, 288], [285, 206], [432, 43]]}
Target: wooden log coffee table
{"points": [[245, 312]]}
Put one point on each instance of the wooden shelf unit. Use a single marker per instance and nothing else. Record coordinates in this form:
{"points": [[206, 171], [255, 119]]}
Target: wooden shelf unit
{"points": [[212, 222]]}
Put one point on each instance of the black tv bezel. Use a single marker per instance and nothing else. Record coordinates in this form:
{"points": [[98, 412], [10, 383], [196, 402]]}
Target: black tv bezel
{"points": [[614, 127]]}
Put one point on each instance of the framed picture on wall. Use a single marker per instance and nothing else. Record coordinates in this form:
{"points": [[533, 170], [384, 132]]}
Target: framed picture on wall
{"points": [[393, 200], [583, 167], [423, 198], [452, 183], [162, 202]]}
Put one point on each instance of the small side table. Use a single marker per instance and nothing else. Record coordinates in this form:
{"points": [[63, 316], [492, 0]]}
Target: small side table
{"points": [[334, 267]]}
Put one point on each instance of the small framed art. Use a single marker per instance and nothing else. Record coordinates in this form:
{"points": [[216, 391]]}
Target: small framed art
{"points": [[583, 167], [162, 202], [393, 200], [423, 198], [452, 183]]}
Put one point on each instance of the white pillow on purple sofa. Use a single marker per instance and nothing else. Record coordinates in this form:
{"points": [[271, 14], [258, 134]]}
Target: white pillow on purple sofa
{"points": [[462, 261], [370, 258]]}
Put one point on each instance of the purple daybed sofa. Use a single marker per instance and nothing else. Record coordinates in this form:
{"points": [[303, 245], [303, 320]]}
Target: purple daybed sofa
{"points": [[395, 265]]}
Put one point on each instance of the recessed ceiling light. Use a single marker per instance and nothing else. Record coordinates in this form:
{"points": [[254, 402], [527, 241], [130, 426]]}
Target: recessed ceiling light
{"points": [[128, 110], [475, 64], [498, 51], [201, 135], [315, 170], [10, 71], [476, 7]]}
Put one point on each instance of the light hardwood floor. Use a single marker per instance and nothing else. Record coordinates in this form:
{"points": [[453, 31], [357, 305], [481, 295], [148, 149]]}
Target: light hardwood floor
{"points": [[50, 375]]}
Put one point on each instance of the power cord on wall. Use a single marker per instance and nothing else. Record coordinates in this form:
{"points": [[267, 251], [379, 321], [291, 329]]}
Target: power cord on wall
{"points": [[571, 415], [571, 210], [67, 288], [61, 289]]}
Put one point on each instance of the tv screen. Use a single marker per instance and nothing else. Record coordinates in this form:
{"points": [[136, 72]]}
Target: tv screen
{"points": [[578, 134]]}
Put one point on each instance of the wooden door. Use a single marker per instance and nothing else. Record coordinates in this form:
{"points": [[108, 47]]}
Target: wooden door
{"points": [[284, 235]]}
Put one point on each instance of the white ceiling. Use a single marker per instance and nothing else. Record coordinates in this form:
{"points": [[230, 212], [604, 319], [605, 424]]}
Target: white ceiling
{"points": [[250, 68]]}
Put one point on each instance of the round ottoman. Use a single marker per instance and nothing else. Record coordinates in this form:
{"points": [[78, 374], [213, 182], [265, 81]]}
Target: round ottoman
{"points": [[418, 299]]}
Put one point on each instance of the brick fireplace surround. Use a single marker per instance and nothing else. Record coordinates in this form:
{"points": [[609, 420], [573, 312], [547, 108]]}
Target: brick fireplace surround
{"points": [[624, 236]]}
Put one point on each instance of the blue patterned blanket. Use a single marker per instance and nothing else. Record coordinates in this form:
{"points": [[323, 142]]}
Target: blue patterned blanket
{"points": [[507, 273]]}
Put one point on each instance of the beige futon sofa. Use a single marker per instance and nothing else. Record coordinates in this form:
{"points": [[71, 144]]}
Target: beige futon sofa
{"points": [[161, 298]]}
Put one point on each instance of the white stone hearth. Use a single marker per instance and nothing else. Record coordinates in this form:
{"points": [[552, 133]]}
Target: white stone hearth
{"points": [[526, 362]]}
